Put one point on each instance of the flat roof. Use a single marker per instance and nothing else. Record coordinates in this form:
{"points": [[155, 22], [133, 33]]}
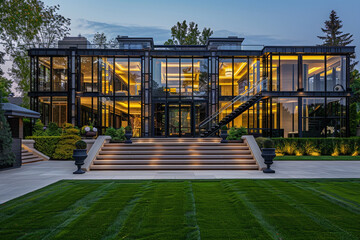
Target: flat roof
{"points": [[17, 111]]}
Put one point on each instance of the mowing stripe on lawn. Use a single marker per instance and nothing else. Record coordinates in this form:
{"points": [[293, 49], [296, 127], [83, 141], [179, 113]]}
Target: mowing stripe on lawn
{"points": [[194, 230], [53, 221], [113, 229], [39, 214], [158, 214], [306, 206], [345, 196], [283, 215], [77, 209], [221, 215], [270, 229]]}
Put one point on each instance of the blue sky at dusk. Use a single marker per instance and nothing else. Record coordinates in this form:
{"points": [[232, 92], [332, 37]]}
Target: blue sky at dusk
{"points": [[277, 22]]}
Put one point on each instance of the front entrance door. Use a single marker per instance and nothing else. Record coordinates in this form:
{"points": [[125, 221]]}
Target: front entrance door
{"points": [[173, 120]]}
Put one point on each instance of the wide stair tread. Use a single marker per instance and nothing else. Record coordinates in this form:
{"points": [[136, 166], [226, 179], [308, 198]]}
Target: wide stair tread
{"points": [[175, 161], [29, 157], [175, 167]]}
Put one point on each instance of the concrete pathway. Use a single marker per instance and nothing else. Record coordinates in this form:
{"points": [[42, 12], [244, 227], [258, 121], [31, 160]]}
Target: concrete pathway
{"points": [[30, 177]]}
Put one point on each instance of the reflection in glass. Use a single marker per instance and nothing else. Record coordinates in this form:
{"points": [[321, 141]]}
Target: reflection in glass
{"points": [[240, 75], [275, 73], [59, 71], [287, 114], [159, 119], [44, 109], [107, 75], [313, 117], [255, 71], [121, 112], [201, 77], [185, 119], [135, 117], [225, 77], [173, 74], [135, 76], [95, 68], [44, 74], [107, 112], [121, 78], [336, 73], [174, 116], [186, 71], [313, 73], [288, 73], [86, 73], [59, 110], [159, 77]]}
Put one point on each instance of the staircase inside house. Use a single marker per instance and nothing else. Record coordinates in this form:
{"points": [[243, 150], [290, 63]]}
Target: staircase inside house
{"points": [[246, 99], [175, 154], [29, 157]]}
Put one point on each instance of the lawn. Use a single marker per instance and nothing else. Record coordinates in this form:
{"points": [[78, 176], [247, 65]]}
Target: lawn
{"points": [[188, 209], [317, 158]]}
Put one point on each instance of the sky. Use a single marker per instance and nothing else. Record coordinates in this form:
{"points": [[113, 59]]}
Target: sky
{"points": [[263, 22]]}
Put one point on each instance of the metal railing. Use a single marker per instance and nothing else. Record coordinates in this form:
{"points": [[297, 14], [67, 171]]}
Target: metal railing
{"points": [[244, 96]]}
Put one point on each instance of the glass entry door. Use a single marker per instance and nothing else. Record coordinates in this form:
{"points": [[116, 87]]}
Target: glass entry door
{"points": [[173, 120]]}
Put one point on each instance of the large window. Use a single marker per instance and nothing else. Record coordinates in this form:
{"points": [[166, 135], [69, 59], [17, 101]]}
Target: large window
{"points": [[59, 71], [159, 77], [314, 73], [201, 77], [44, 74], [225, 77], [288, 73], [287, 114], [336, 73], [59, 110], [186, 77], [241, 80], [313, 113], [173, 76], [86, 74], [135, 76]]}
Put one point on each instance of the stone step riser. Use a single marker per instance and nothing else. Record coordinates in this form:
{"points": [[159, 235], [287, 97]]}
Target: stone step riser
{"points": [[147, 157], [175, 148], [175, 162], [170, 152], [135, 145], [174, 167]]}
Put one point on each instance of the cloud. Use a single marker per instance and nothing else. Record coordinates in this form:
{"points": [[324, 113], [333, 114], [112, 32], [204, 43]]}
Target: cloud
{"points": [[88, 28]]}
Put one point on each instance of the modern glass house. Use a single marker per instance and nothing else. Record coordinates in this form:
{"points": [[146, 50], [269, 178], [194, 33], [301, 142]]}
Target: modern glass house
{"points": [[182, 91]]}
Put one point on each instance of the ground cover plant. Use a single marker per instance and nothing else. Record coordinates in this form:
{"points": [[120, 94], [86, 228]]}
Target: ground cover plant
{"points": [[186, 209]]}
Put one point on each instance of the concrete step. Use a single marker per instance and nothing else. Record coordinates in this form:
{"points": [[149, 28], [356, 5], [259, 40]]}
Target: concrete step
{"points": [[31, 160], [176, 162], [152, 140], [175, 167], [134, 145], [129, 157], [175, 152], [184, 148], [28, 156]]}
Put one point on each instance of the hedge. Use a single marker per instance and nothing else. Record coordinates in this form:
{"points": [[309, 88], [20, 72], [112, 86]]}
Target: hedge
{"points": [[45, 144], [317, 146]]}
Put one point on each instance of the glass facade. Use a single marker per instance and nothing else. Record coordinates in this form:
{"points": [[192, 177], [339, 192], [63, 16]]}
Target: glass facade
{"points": [[166, 93]]}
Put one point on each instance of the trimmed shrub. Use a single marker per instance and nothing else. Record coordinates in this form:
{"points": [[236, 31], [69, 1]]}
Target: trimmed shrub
{"points": [[128, 128], [66, 145], [80, 145], [45, 144], [317, 146], [236, 133], [116, 134]]}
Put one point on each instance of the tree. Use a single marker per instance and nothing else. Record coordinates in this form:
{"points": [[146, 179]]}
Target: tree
{"points": [[5, 84], [99, 39], [7, 157], [42, 27], [334, 36], [184, 34]]}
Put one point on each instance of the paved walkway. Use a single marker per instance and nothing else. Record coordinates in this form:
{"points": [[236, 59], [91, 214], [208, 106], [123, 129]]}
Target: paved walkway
{"points": [[28, 178]]}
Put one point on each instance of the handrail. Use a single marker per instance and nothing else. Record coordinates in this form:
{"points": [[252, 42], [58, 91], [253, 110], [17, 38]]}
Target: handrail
{"points": [[236, 99]]}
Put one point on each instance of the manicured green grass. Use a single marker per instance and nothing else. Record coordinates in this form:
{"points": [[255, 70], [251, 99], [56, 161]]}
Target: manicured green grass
{"points": [[188, 209], [317, 158]]}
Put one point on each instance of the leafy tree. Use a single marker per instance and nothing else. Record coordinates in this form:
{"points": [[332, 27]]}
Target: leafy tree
{"points": [[355, 85], [184, 34], [5, 84], [29, 24], [334, 36], [99, 39]]}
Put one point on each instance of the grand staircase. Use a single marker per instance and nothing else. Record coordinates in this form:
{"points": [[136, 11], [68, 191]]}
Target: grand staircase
{"points": [[246, 99], [175, 154]]}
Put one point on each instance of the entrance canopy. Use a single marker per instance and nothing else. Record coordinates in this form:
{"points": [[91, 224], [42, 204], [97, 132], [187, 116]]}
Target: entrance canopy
{"points": [[12, 110]]}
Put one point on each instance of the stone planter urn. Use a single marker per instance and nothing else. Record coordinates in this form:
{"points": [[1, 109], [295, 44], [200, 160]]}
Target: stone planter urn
{"points": [[128, 136], [268, 154], [224, 135], [79, 156], [90, 134]]}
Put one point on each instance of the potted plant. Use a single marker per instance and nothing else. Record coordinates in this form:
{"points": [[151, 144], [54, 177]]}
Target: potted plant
{"points": [[79, 156], [268, 153], [128, 134], [224, 134], [89, 131]]}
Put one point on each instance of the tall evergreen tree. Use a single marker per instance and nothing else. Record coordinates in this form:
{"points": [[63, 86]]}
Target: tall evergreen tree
{"points": [[334, 36]]}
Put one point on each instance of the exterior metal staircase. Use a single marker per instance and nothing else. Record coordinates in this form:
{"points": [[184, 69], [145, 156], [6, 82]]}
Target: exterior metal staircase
{"points": [[244, 100]]}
